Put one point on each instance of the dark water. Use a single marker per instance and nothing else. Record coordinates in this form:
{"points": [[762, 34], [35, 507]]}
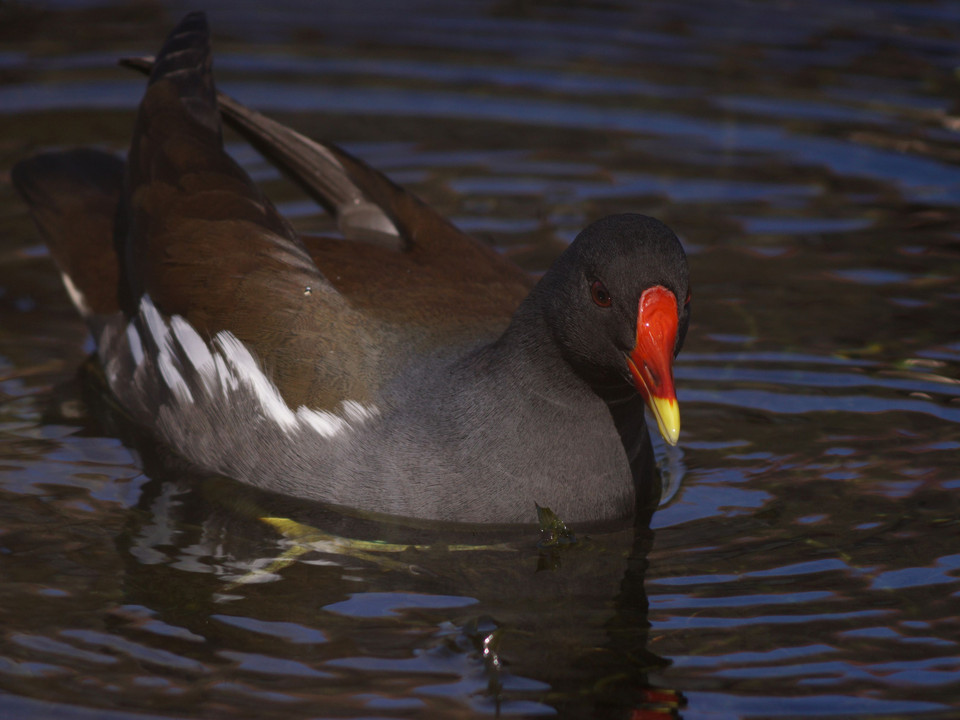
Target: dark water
{"points": [[805, 560]]}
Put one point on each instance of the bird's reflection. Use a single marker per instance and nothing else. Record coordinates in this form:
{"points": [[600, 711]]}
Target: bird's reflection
{"points": [[570, 617], [549, 626]]}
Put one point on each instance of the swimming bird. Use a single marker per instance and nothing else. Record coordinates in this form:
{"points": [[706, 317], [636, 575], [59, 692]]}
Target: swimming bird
{"points": [[400, 367]]}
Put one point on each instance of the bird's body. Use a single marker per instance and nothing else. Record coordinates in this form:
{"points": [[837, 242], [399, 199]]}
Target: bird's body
{"points": [[403, 368]]}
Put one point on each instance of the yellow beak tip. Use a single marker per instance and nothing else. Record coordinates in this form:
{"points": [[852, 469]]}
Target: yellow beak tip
{"points": [[667, 413]]}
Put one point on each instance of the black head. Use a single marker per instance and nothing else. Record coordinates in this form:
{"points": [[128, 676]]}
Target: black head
{"points": [[617, 304]]}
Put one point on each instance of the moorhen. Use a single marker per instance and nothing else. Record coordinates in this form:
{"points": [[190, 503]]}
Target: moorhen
{"points": [[400, 368]]}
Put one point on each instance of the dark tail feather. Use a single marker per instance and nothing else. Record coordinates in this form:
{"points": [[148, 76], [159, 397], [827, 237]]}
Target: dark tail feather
{"points": [[186, 61], [73, 199], [316, 167]]}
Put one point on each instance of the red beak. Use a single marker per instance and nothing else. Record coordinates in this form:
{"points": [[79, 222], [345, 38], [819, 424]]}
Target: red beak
{"points": [[651, 360]]}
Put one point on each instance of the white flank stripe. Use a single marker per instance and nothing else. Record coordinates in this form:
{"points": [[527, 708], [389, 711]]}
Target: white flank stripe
{"points": [[76, 297], [158, 329], [155, 324], [224, 367], [250, 374], [357, 413], [324, 423], [173, 378], [228, 379], [136, 346], [197, 352]]}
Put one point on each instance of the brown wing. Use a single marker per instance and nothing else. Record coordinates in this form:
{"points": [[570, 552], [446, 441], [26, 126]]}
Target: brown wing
{"points": [[411, 264], [206, 244]]}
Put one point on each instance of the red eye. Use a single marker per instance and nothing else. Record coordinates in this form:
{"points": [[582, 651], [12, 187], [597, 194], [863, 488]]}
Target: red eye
{"points": [[689, 295], [600, 295]]}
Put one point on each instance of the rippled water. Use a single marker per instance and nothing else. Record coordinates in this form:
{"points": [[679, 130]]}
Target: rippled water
{"points": [[805, 560]]}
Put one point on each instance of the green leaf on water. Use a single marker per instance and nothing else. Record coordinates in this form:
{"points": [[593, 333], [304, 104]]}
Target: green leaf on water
{"points": [[553, 531]]}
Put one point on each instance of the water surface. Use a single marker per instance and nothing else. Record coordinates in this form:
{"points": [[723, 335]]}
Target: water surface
{"points": [[805, 560]]}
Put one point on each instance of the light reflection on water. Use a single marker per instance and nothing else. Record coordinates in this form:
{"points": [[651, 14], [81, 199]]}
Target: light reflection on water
{"points": [[804, 560]]}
